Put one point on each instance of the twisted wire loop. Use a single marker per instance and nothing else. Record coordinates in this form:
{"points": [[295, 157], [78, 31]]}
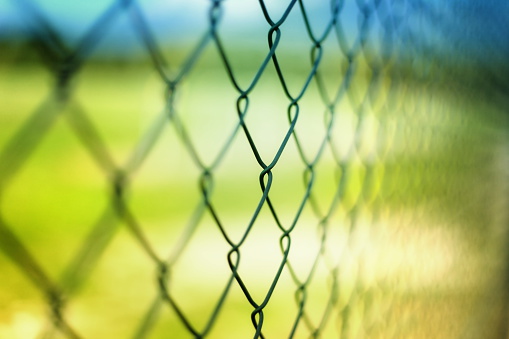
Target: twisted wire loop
{"points": [[378, 221]]}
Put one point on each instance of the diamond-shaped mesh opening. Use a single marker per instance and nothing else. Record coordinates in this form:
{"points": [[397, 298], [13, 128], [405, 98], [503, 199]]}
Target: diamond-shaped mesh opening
{"points": [[66, 182]]}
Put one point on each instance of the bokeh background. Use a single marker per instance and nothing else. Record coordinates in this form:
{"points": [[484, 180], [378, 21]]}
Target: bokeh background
{"points": [[239, 169]]}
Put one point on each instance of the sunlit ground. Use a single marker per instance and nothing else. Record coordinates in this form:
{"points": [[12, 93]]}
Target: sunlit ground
{"points": [[416, 235]]}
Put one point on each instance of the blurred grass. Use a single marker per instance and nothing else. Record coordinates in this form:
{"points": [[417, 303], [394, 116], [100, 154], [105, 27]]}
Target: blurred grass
{"points": [[437, 185]]}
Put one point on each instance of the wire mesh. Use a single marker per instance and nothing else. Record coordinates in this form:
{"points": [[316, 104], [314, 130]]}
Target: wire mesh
{"points": [[334, 172]]}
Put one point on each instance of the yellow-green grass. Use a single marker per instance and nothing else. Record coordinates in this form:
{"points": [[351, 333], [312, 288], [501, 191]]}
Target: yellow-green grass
{"points": [[416, 241]]}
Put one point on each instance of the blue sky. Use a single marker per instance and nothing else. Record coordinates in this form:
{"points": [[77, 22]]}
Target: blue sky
{"points": [[175, 18], [477, 27]]}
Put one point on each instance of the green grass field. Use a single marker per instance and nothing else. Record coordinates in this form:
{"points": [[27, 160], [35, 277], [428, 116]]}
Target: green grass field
{"points": [[417, 233]]}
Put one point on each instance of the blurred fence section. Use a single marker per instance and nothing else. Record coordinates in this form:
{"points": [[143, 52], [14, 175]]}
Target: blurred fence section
{"points": [[251, 169]]}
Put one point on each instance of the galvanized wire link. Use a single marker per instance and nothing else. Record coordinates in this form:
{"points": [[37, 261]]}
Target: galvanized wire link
{"points": [[395, 153]]}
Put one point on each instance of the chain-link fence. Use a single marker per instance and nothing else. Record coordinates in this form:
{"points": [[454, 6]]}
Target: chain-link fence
{"points": [[250, 169]]}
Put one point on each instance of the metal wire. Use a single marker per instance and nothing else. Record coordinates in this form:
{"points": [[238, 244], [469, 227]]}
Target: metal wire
{"points": [[400, 157]]}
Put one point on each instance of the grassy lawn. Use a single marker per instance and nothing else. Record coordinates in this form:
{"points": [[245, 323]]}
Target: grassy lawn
{"points": [[414, 233]]}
